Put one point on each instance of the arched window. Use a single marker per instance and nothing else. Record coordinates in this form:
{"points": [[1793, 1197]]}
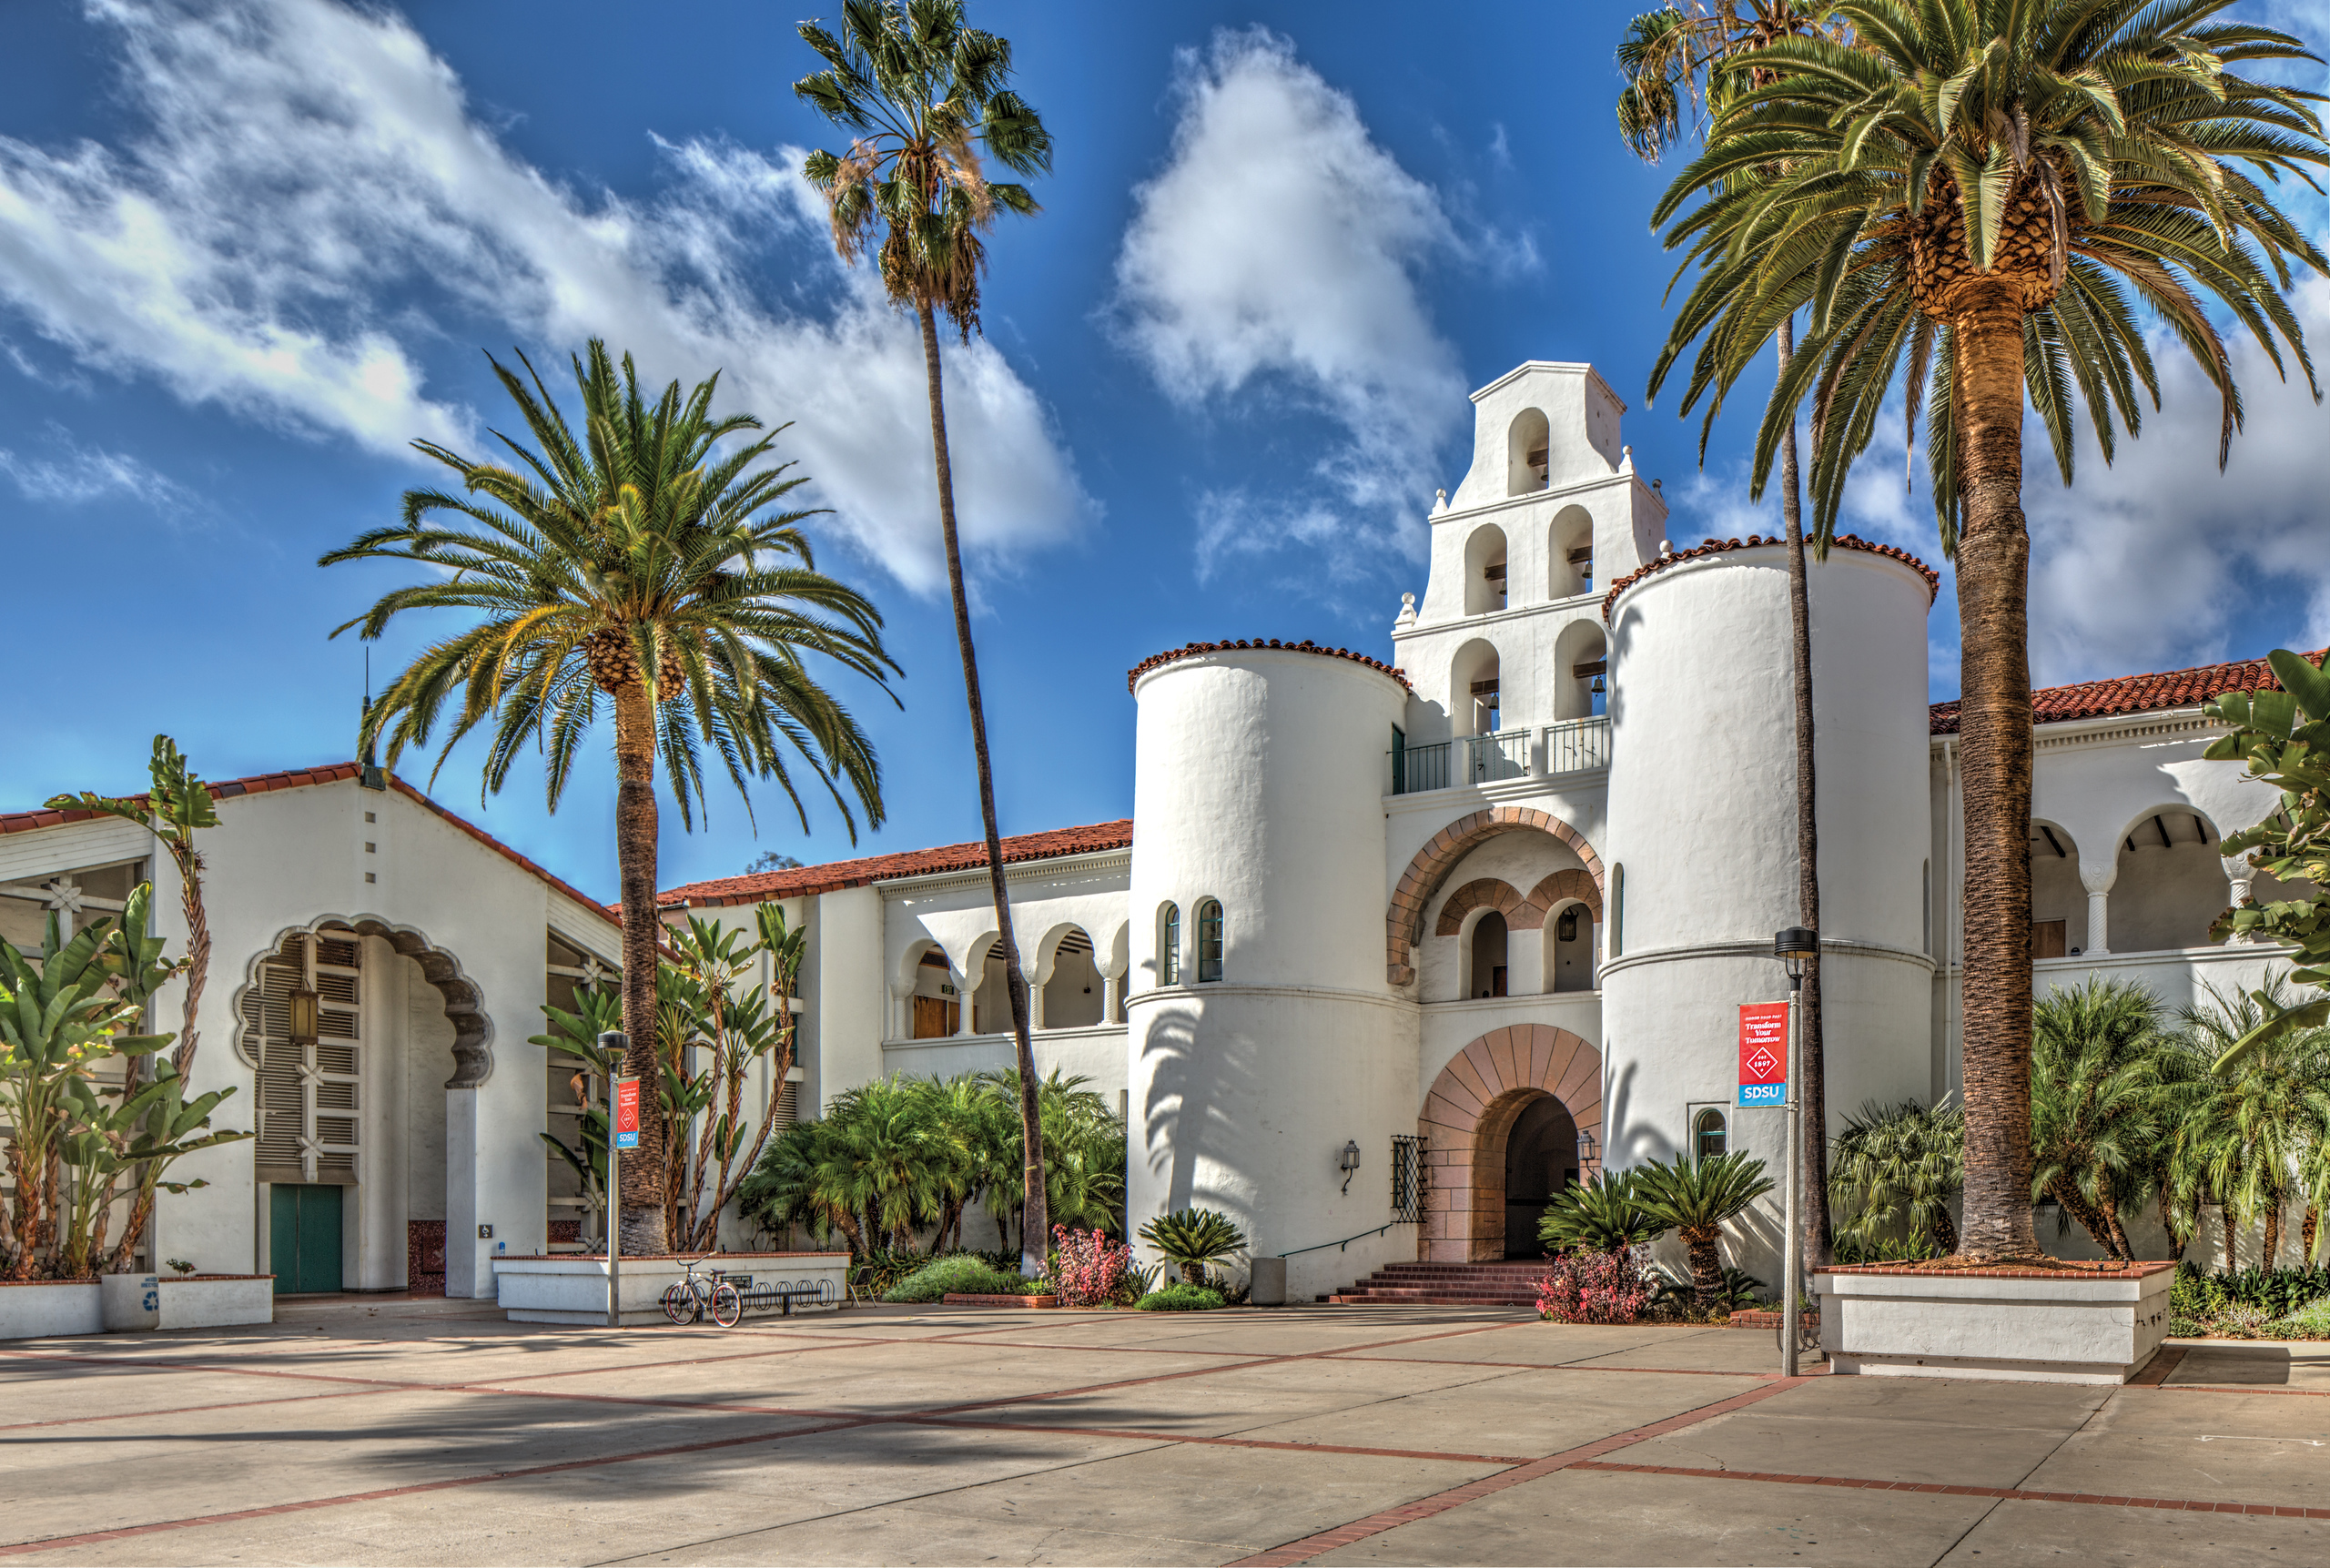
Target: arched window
{"points": [[1168, 945], [1709, 1137], [1209, 940]]}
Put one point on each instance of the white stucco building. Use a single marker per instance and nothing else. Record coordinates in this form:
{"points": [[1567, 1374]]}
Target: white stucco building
{"points": [[1480, 912]]}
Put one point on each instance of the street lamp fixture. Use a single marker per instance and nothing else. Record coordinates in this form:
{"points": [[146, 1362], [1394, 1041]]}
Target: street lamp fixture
{"points": [[1350, 1162], [1588, 1152], [1795, 947]]}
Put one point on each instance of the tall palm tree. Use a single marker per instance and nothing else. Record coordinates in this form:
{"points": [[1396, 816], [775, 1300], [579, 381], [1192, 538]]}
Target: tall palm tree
{"points": [[925, 97], [636, 560], [1673, 58], [1965, 199]]}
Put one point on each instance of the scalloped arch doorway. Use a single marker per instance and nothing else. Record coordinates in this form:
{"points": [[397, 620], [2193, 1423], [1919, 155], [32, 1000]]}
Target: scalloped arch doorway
{"points": [[1469, 1121]]}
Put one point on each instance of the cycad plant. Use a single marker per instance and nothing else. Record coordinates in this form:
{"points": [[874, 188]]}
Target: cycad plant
{"points": [[648, 563], [1190, 1239], [1603, 1213], [926, 100], [2100, 1103], [1698, 1198], [1893, 1172], [1674, 60], [1967, 201]]}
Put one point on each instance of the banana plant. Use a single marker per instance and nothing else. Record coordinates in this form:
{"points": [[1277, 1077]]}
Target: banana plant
{"points": [[60, 1017], [2284, 738]]}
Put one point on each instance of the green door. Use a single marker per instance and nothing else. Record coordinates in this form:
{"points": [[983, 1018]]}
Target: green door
{"points": [[303, 1239]]}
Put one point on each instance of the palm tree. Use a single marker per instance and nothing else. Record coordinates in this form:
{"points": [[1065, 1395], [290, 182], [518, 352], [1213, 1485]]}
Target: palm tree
{"points": [[1672, 56], [1899, 1163], [2099, 1105], [1977, 185], [639, 562], [1698, 1198], [922, 96], [2268, 1113]]}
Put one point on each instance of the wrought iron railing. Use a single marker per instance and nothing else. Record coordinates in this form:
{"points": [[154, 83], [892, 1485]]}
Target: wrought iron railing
{"points": [[1502, 755], [1577, 745], [1416, 769]]}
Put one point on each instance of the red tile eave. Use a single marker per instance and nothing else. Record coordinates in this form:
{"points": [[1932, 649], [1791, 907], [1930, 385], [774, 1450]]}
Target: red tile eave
{"points": [[2123, 694], [1258, 645], [1757, 541], [328, 772], [835, 875]]}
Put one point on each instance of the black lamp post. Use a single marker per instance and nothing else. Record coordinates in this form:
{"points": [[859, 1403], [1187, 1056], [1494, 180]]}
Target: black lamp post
{"points": [[1795, 947]]}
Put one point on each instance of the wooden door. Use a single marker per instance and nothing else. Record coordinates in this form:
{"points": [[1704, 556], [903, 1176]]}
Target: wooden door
{"points": [[936, 1017], [2047, 939]]}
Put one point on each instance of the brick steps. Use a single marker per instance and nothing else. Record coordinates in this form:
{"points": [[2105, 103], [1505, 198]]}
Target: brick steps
{"points": [[1510, 1284]]}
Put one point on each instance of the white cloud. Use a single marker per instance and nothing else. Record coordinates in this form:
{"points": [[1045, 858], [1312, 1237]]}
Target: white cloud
{"points": [[1275, 256], [302, 162], [2159, 559], [76, 475]]}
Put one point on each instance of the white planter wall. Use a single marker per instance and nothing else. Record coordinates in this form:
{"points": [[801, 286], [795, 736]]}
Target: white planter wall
{"points": [[2026, 1326], [40, 1310], [573, 1290]]}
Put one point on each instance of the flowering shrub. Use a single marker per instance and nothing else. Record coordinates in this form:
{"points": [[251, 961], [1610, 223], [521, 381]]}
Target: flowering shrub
{"points": [[1595, 1288], [1086, 1268]]}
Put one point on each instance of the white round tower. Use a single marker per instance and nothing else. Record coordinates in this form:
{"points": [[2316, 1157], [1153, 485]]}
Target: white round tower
{"points": [[1702, 837], [1263, 1037]]}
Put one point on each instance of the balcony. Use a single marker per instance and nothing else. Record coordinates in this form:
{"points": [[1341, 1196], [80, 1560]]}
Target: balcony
{"points": [[1555, 751]]}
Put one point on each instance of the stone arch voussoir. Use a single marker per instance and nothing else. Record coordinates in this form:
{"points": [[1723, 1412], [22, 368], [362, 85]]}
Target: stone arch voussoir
{"points": [[1486, 893], [1466, 1117], [1403, 921]]}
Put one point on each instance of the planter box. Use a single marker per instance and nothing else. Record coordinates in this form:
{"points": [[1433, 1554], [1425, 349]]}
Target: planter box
{"points": [[572, 1287], [216, 1301], [41, 1309], [954, 1299], [2023, 1325]]}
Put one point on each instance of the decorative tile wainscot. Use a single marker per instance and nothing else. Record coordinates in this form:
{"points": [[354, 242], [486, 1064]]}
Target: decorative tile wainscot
{"points": [[2078, 1324]]}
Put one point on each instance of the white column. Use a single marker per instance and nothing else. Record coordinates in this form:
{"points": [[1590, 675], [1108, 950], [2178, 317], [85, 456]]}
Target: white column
{"points": [[966, 996], [2237, 876], [467, 1275], [2097, 881]]}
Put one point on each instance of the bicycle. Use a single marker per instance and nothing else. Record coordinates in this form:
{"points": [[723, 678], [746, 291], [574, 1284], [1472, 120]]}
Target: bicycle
{"points": [[686, 1301]]}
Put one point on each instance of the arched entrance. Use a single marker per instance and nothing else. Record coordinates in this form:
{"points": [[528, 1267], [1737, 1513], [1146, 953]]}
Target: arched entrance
{"points": [[1479, 1107], [1540, 1160]]}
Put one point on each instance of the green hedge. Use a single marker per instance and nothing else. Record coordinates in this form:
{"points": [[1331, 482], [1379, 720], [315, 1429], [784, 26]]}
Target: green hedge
{"points": [[1180, 1297], [959, 1274]]}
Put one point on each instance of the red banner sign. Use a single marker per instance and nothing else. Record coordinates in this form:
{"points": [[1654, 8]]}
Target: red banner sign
{"points": [[1763, 1043], [626, 1113]]}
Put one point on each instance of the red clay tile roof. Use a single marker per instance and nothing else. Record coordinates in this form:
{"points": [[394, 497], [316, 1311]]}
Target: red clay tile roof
{"points": [[1191, 649], [1717, 546], [2135, 693], [835, 875], [299, 778]]}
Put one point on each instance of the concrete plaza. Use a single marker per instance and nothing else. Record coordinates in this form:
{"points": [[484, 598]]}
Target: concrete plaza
{"points": [[407, 1431]]}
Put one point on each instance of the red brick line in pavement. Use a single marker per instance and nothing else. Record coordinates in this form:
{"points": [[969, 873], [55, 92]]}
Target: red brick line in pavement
{"points": [[1118, 1431], [129, 1532], [2156, 1371], [1309, 1546], [194, 1410], [1574, 1366], [2009, 1493]]}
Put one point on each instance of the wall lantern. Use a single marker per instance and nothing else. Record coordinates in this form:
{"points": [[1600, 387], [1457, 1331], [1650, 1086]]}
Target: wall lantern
{"points": [[303, 1015], [1588, 1151], [1350, 1162]]}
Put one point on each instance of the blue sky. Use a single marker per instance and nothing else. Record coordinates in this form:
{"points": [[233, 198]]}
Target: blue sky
{"points": [[248, 250]]}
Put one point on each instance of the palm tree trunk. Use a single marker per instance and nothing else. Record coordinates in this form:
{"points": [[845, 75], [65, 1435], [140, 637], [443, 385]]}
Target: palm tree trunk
{"points": [[2306, 1231], [2273, 1231], [641, 1197], [2091, 1220], [2121, 1246], [1820, 1240], [1707, 1265], [2225, 1221], [1995, 708], [1031, 1140]]}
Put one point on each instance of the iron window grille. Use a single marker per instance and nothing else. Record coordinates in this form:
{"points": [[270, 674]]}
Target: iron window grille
{"points": [[1408, 1179]]}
